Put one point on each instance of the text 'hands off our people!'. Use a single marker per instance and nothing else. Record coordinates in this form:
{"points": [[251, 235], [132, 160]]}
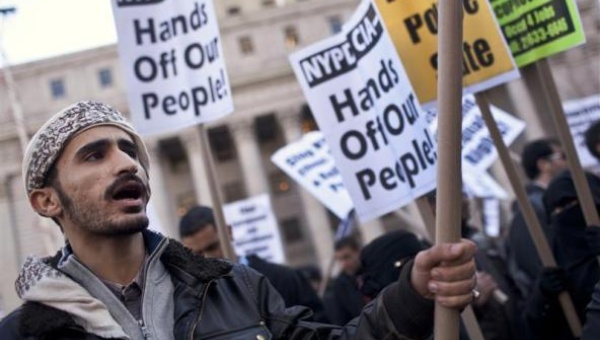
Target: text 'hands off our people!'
{"points": [[164, 65], [378, 131]]}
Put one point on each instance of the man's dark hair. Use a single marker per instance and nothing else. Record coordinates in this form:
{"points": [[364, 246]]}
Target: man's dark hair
{"points": [[347, 242], [533, 152], [196, 219], [592, 139]]}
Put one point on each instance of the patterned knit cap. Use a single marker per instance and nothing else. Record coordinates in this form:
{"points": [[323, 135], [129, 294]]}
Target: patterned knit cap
{"points": [[47, 144]]}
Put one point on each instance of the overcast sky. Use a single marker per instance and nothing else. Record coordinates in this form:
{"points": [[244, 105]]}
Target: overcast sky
{"points": [[45, 28]]}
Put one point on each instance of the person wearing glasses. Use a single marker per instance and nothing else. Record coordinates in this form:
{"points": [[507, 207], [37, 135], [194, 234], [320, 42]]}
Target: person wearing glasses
{"points": [[542, 160]]}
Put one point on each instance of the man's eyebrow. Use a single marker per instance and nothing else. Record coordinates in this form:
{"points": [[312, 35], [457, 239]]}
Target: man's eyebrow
{"points": [[126, 144], [93, 146]]}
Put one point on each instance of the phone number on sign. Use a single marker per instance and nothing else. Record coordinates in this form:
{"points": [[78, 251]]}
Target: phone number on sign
{"points": [[541, 35]]}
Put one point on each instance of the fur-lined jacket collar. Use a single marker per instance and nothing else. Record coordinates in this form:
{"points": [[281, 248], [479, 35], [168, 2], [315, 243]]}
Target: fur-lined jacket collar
{"points": [[51, 296]]}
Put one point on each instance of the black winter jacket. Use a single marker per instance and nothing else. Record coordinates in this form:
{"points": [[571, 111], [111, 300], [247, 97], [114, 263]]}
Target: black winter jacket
{"points": [[291, 286], [217, 300]]}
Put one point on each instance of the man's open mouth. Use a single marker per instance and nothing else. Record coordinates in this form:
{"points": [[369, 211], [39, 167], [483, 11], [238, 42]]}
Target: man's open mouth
{"points": [[131, 190]]}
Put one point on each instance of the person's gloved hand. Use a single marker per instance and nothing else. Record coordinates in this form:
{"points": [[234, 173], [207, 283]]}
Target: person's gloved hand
{"points": [[552, 281], [592, 235]]}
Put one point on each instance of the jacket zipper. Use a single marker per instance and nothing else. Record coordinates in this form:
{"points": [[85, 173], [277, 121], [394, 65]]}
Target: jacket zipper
{"points": [[143, 329], [204, 293]]}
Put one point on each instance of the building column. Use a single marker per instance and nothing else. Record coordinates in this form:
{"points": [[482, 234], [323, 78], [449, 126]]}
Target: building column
{"points": [[371, 230], [159, 204], [9, 246], [250, 158], [315, 213], [193, 148]]}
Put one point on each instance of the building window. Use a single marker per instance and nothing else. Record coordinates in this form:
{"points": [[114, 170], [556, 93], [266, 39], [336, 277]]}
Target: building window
{"points": [[234, 191], [234, 10], [292, 230], [291, 37], [266, 128], [246, 45], [173, 151], [280, 183], [335, 24], [57, 88], [221, 143], [105, 77], [308, 121]]}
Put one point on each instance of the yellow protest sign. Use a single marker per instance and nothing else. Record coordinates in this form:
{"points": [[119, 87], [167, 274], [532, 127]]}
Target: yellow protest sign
{"points": [[413, 26]]}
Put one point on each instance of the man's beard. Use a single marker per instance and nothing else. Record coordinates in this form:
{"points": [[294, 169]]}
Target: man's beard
{"points": [[88, 217]]}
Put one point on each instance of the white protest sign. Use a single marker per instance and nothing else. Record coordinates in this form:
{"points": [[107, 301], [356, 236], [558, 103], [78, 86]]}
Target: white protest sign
{"points": [[580, 114], [254, 228], [480, 184], [367, 110], [309, 162], [173, 62], [491, 217], [478, 149]]}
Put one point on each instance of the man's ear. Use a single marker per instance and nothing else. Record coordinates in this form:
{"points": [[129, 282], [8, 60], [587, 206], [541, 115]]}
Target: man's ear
{"points": [[45, 202]]}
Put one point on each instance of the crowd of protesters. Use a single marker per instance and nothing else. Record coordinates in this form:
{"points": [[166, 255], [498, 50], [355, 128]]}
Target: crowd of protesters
{"points": [[87, 169], [519, 296]]}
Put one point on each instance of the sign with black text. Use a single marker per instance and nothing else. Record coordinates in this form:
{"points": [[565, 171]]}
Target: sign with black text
{"points": [[310, 163], [254, 228], [478, 150], [365, 106], [413, 26], [173, 62], [580, 114], [536, 29]]}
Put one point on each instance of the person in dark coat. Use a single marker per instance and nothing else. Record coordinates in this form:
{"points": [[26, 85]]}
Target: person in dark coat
{"points": [[343, 301], [87, 169], [542, 160], [198, 232], [591, 329], [382, 259], [592, 139], [576, 247]]}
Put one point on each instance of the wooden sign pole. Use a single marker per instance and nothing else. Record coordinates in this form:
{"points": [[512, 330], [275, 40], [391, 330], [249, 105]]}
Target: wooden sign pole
{"points": [[215, 193], [535, 229], [562, 127], [467, 316], [449, 179]]}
